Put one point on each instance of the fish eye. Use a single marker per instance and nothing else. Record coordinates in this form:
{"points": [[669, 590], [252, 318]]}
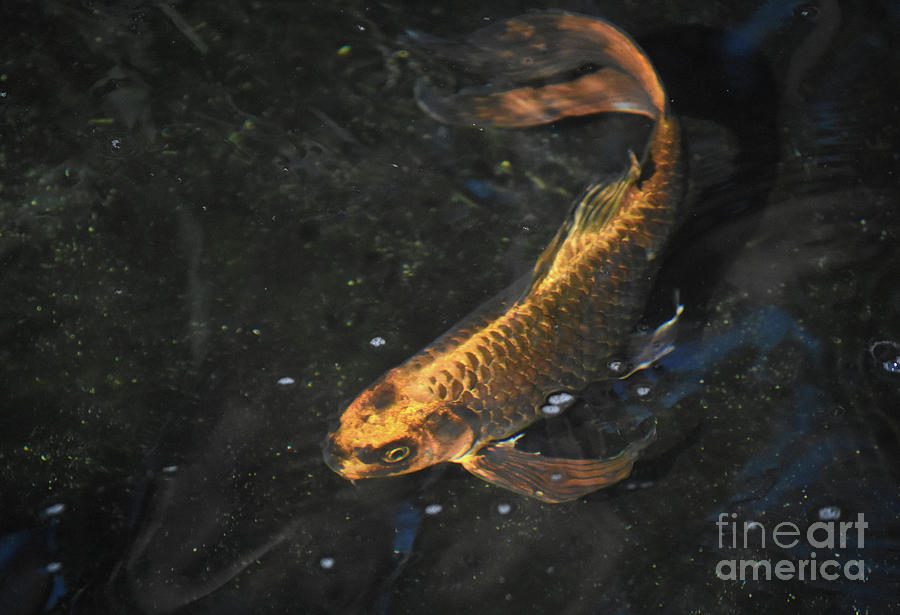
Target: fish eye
{"points": [[398, 453]]}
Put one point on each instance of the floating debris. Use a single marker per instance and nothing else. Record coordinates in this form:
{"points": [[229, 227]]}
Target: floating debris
{"points": [[179, 22]]}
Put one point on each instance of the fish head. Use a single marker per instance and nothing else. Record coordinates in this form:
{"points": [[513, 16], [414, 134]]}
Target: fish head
{"points": [[395, 429]]}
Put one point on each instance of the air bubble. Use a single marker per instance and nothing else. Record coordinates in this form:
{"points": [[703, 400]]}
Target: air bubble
{"points": [[808, 11], [829, 513], [559, 399], [286, 381], [377, 342], [433, 509], [52, 511], [327, 563], [550, 410], [503, 508], [886, 354]]}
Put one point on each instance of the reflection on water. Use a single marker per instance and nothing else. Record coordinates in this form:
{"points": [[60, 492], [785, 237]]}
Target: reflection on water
{"points": [[197, 248], [31, 579]]}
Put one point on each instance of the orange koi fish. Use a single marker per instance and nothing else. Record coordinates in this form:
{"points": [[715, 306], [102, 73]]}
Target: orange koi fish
{"points": [[465, 397]]}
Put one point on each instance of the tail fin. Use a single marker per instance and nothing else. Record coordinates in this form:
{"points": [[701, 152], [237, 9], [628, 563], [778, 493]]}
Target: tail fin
{"points": [[541, 47]]}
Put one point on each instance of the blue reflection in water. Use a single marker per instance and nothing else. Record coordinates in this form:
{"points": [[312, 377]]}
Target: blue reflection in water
{"points": [[781, 460], [30, 580], [762, 330], [746, 39], [788, 455], [740, 46], [484, 190], [793, 474], [407, 520], [406, 527]]}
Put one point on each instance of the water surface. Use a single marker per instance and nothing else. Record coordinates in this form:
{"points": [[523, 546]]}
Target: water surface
{"points": [[209, 212]]}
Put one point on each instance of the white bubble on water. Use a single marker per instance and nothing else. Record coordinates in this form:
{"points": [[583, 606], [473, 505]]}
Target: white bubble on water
{"points": [[753, 525], [887, 353], [327, 563], [558, 399], [829, 513], [52, 511], [433, 509]]}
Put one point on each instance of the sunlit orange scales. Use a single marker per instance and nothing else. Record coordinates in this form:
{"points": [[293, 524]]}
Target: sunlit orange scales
{"points": [[463, 398]]}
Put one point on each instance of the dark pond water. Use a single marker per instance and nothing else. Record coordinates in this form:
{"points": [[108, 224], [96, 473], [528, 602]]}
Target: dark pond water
{"points": [[208, 211]]}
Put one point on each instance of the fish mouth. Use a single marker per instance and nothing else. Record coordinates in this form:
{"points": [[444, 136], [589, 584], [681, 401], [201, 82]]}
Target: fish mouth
{"points": [[328, 453], [336, 461]]}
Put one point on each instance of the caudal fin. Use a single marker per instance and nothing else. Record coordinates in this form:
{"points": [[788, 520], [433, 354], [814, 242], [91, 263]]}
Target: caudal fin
{"points": [[536, 54]]}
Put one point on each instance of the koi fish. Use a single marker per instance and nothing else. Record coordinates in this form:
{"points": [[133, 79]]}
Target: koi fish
{"points": [[465, 397]]}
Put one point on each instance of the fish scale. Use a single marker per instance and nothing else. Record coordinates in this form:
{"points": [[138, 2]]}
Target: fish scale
{"points": [[579, 349], [462, 397]]}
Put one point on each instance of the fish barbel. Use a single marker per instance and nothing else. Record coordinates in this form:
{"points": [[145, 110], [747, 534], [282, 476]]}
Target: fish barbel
{"points": [[463, 398]]}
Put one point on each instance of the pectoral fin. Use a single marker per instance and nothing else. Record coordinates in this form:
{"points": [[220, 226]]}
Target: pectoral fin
{"points": [[650, 350], [551, 479]]}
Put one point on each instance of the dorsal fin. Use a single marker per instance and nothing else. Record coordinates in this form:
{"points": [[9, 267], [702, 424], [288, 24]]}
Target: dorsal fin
{"points": [[588, 215]]}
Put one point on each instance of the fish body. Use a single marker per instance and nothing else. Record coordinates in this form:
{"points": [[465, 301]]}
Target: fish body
{"points": [[463, 398]]}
